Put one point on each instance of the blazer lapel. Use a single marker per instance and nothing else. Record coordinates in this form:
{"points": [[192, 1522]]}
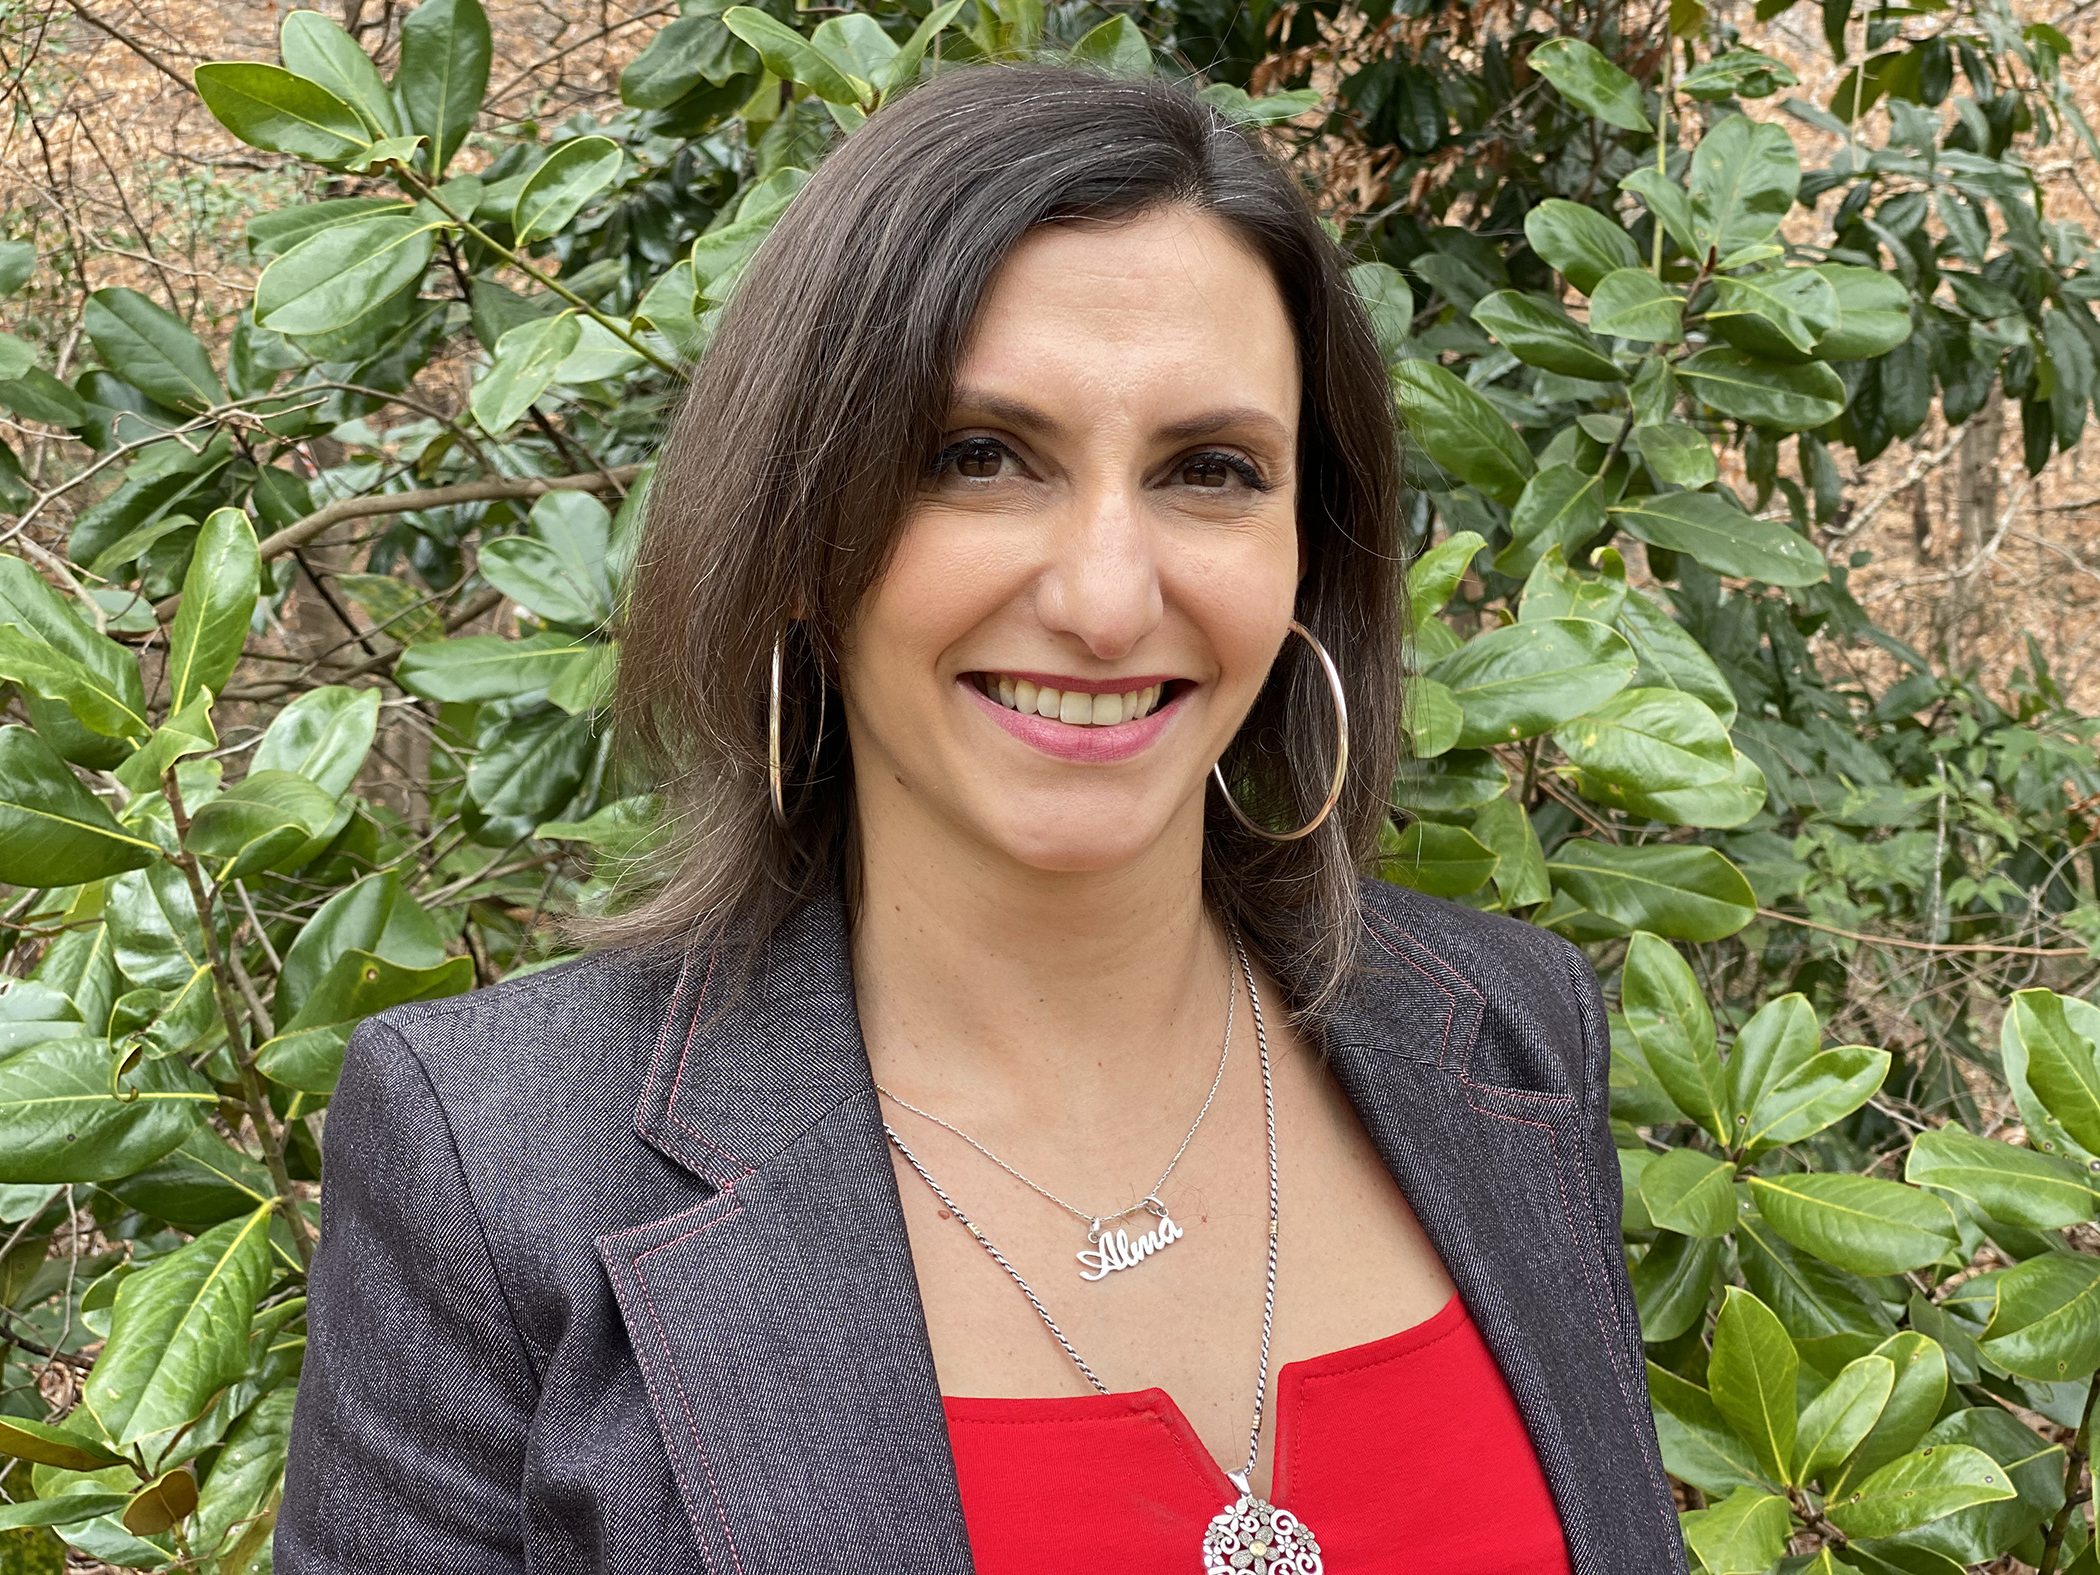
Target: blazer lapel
{"points": [[1499, 1178], [778, 1324]]}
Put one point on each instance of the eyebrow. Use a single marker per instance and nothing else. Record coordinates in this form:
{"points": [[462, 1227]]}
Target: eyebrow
{"points": [[1018, 413]]}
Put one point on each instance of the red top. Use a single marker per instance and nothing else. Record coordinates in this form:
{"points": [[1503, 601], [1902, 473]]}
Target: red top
{"points": [[1406, 1454]]}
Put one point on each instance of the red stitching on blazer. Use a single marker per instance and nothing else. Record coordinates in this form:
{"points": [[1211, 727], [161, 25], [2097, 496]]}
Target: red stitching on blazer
{"points": [[656, 1404], [656, 1065], [714, 1490]]}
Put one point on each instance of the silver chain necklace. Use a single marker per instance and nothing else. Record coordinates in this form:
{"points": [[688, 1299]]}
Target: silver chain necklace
{"points": [[1249, 1536], [1109, 1250]]}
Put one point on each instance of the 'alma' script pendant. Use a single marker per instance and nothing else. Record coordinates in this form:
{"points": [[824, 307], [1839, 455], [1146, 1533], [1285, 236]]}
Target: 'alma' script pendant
{"points": [[1109, 1250], [1251, 1536]]}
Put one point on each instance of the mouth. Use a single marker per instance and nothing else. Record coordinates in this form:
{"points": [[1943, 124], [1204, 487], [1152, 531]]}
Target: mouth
{"points": [[1085, 721], [1072, 704]]}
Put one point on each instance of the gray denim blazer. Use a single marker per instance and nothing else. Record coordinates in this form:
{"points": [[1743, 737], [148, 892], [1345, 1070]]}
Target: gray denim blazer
{"points": [[608, 1282]]}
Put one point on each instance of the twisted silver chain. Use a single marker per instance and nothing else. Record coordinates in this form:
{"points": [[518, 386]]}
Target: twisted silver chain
{"points": [[1268, 1298], [1094, 1222]]}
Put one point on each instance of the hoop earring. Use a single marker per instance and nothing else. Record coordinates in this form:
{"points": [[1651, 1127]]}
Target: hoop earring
{"points": [[1341, 752], [775, 777]]}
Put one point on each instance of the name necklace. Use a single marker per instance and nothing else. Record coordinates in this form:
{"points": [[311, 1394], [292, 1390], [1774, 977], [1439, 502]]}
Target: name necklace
{"points": [[1108, 1250], [1249, 1536]]}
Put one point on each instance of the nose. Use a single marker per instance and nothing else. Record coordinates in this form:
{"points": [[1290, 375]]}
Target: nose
{"points": [[1100, 585]]}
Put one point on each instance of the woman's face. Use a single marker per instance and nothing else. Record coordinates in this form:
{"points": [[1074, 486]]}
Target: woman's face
{"points": [[1090, 589]]}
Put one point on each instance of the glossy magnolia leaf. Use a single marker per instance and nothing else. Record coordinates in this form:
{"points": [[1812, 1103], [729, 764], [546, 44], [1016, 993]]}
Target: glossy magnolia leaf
{"points": [[307, 1053], [2047, 1321], [1913, 1406], [38, 396], [180, 1331], [445, 51], [153, 350], [2035, 1469], [903, 66], [688, 51], [1444, 861], [60, 1123], [344, 275], [1667, 1014], [1873, 314], [1579, 241], [1751, 1377], [249, 1467], [484, 667], [1861, 1223], [1740, 73], [1433, 719], [50, 650], [1553, 590], [1116, 47], [1520, 870], [1649, 739], [1765, 393], [527, 358], [277, 232], [1539, 332], [558, 572], [1727, 802], [1676, 454], [205, 1182], [258, 823], [17, 263], [374, 915], [1387, 301], [1461, 431], [789, 55], [1670, 658], [1633, 304], [324, 735], [1665, 199], [167, 1500], [1825, 1089], [1780, 1039], [1523, 680], [1461, 780], [53, 831], [1698, 1445], [2061, 1064], [2010, 1184], [1715, 531], [320, 51], [1589, 81], [1685, 892], [218, 600], [1836, 1421], [530, 766], [1560, 508], [1744, 1534], [574, 173], [1433, 577], [1743, 178], [1690, 1192], [1673, 1282], [64, 1509], [1919, 1488], [1779, 314], [46, 1445], [268, 107]]}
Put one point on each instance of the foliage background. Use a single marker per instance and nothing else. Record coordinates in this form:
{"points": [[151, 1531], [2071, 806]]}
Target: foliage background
{"points": [[1911, 879]]}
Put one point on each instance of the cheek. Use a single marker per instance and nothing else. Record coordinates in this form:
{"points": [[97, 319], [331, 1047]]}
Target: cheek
{"points": [[943, 580], [1240, 594]]}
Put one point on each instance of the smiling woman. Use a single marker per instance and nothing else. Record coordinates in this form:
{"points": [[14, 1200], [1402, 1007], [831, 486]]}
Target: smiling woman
{"points": [[1011, 1134]]}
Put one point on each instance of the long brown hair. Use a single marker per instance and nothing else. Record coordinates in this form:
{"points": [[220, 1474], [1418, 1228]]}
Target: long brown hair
{"points": [[813, 420]]}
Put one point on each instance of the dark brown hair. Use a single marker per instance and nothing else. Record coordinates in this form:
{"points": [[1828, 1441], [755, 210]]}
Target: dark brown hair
{"points": [[815, 416]]}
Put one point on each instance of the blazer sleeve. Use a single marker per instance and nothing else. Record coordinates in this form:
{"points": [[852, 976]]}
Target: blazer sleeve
{"points": [[409, 1436]]}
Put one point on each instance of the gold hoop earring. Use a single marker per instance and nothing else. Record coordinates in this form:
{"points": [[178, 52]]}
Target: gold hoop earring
{"points": [[1341, 752], [775, 777]]}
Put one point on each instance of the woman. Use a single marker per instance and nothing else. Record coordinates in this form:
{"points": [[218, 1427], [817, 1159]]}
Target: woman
{"points": [[1003, 1136]]}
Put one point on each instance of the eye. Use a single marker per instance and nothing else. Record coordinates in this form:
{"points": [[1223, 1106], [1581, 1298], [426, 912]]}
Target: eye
{"points": [[973, 459], [1216, 471]]}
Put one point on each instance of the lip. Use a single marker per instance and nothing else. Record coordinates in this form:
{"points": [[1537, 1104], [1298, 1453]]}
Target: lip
{"points": [[1086, 745], [1087, 686]]}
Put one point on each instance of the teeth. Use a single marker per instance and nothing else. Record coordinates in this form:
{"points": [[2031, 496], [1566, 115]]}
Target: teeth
{"points": [[1071, 706]]}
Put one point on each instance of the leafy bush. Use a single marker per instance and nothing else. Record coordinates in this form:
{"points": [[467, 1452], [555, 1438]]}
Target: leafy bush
{"points": [[1858, 1297]]}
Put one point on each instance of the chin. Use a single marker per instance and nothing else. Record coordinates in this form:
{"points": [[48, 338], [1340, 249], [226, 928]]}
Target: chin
{"points": [[1075, 843]]}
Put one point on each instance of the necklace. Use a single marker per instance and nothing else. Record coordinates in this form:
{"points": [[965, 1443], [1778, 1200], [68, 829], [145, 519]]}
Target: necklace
{"points": [[1109, 1250], [1249, 1536]]}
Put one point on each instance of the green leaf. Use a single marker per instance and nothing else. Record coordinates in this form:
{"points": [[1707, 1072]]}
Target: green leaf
{"points": [[205, 1182], [1667, 1014], [2034, 1467], [318, 50], [38, 396], [486, 667], [259, 823], [1444, 861], [53, 832], [559, 571], [1918, 1488], [2061, 1066], [218, 599], [1740, 73], [445, 50], [59, 1122], [248, 1469], [2047, 1321], [46, 1445], [180, 1331], [1651, 740], [1913, 1405], [1553, 590], [185, 733], [168, 1500], [1779, 314], [1589, 81], [1539, 332], [1462, 432], [1778, 1041], [1685, 892], [1765, 393], [526, 360], [268, 107], [1861, 1223], [1873, 314], [1751, 1376], [1672, 1282], [1744, 1534], [789, 55], [1633, 304], [1841, 1416], [152, 350], [1523, 680], [307, 1053], [323, 735], [1723, 803], [1433, 577], [344, 276], [17, 263], [375, 915], [555, 193], [1116, 47], [688, 51], [109, 708], [65, 1509], [1826, 1089], [1744, 175], [1561, 508], [274, 233], [1520, 871], [1579, 241], [1676, 454], [1715, 530], [1690, 1192], [2014, 1185], [1667, 201], [2030, 1019], [1461, 780], [1698, 1445]]}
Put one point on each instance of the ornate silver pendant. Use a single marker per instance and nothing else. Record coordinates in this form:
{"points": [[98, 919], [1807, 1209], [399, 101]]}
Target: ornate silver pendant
{"points": [[1109, 1250], [1251, 1536]]}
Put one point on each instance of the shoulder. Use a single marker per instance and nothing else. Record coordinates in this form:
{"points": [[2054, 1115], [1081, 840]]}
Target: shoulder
{"points": [[1520, 1006]]}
